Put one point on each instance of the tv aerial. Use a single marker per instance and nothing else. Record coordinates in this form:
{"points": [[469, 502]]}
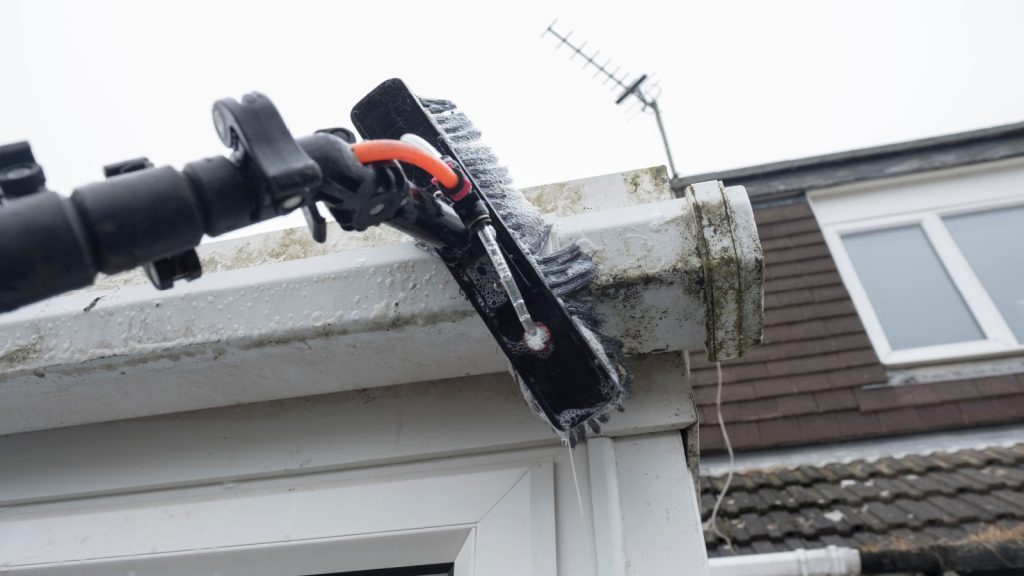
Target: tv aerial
{"points": [[640, 90]]}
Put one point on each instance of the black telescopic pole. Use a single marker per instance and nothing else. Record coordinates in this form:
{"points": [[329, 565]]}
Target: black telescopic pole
{"points": [[50, 244]]}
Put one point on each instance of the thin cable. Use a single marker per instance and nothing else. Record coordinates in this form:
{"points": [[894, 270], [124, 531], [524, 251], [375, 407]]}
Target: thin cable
{"points": [[535, 336], [575, 479], [732, 462], [369, 151]]}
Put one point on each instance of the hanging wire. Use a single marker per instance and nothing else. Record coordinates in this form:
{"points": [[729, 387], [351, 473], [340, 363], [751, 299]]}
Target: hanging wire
{"points": [[713, 520]]}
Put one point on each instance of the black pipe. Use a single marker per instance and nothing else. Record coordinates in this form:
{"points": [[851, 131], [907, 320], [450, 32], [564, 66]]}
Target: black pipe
{"points": [[139, 217], [50, 244], [44, 249]]}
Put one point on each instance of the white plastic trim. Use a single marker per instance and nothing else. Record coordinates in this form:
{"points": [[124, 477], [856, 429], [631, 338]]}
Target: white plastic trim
{"points": [[830, 561], [497, 518], [508, 512], [924, 199], [660, 513], [967, 283], [609, 541], [957, 189], [397, 424]]}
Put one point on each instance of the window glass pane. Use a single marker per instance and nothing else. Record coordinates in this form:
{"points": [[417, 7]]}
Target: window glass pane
{"points": [[910, 290], [993, 243]]}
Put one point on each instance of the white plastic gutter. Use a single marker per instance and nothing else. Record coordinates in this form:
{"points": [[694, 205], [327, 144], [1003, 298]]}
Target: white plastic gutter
{"points": [[830, 561], [277, 317]]}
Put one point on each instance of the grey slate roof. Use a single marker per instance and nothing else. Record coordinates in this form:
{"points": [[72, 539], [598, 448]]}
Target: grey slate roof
{"points": [[916, 502], [770, 182]]}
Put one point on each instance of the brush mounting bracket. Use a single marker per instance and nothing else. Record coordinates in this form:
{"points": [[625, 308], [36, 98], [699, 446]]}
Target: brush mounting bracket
{"points": [[255, 129]]}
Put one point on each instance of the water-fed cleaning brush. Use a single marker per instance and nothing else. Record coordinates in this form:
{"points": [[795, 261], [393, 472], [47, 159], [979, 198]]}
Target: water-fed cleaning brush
{"points": [[421, 169], [534, 301]]}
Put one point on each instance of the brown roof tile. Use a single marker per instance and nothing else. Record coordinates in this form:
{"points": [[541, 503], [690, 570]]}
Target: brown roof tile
{"points": [[788, 228], [794, 241], [796, 405], [835, 400], [939, 416], [822, 427], [800, 254], [743, 434], [779, 432], [788, 298], [899, 421], [999, 385], [779, 213], [857, 425], [829, 293], [786, 385], [989, 410], [830, 278], [777, 270], [859, 376], [820, 363]]}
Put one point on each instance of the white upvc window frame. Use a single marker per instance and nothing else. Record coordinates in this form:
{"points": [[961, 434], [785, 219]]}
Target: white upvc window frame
{"points": [[490, 515], [841, 213], [614, 507]]}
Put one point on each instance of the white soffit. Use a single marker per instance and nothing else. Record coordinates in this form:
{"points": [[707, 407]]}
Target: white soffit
{"points": [[358, 428]]}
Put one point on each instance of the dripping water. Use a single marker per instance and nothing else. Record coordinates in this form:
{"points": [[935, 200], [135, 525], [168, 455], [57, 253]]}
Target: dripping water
{"points": [[575, 479]]}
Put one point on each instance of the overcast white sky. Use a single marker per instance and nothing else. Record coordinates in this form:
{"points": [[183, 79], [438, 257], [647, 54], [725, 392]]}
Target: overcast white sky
{"points": [[743, 82]]}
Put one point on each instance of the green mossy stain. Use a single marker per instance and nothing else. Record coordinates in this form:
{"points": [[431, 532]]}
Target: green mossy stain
{"points": [[20, 356], [562, 199]]}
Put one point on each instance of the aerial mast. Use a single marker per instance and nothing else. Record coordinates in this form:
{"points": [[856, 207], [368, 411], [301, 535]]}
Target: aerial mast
{"points": [[639, 89]]}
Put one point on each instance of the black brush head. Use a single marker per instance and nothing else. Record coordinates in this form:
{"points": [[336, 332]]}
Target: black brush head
{"points": [[580, 376]]}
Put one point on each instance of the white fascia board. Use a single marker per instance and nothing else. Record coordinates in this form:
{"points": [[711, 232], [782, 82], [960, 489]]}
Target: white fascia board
{"points": [[957, 189], [348, 320]]}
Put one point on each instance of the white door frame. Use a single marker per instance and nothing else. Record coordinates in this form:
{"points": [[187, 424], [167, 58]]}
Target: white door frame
{"points": [[514, 512], [491, 516]]}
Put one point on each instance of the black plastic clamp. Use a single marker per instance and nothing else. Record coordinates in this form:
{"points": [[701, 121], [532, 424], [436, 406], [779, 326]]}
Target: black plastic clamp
{"points": [[164, 272]]}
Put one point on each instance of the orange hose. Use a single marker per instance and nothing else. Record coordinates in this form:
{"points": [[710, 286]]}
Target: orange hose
{"points": [[370, 151]]}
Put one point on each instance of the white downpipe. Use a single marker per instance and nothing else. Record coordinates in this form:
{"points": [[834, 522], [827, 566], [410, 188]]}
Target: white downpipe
{"points": [[830, 561], [604, 495]]}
